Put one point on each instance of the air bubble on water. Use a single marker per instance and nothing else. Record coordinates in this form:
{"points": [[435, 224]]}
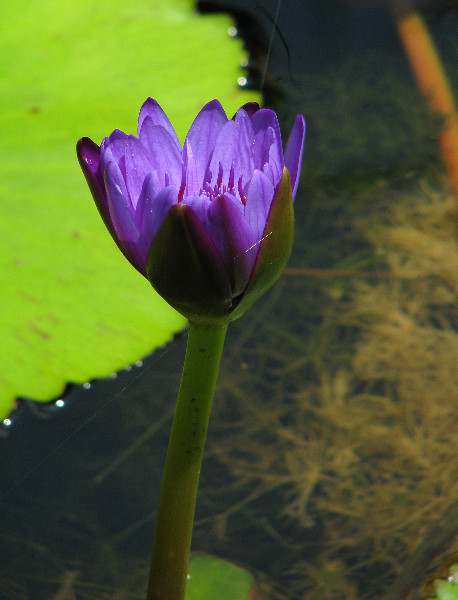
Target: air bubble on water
{"points": [[242, 81], [128, 368], [139, 363], [244, 63], [232, 31], [8, 423], [113, 376], [60, 403], [87, 385], [5, 427]]}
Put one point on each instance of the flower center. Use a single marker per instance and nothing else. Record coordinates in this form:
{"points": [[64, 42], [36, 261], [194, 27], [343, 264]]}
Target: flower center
{"points": [[219, 189]]}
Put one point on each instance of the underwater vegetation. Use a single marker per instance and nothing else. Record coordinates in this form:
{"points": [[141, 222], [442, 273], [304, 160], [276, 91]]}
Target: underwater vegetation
{"points": [[342, 430]]}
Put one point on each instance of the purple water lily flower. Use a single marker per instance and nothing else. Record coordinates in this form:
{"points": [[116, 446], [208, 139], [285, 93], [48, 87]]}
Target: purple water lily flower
{"points": [[210, 224]]}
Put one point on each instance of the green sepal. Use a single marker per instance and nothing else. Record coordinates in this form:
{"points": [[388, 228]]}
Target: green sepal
{"points": [[184, 268], [276, 246]]}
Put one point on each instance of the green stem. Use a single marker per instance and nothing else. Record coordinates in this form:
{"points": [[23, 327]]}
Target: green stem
{"points": [[175, 516]]}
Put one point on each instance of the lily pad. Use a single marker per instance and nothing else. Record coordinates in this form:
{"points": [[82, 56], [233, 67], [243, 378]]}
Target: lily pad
{"points": [[448, 589], [71, 307], [211, 577]]}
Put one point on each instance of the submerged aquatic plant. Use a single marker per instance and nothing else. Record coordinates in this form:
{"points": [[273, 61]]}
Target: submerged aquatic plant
{"points": [[211, 226], [357, 409]]}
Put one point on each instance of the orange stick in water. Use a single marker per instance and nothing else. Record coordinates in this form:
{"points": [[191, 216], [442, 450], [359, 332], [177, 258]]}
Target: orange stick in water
{"points": [[431, 79]]}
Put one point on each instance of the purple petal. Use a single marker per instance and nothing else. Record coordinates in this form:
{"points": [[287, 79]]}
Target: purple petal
{"points": [[234, 239], [114, 179], [164, 154], [250, 108], [224, 153], [200, 206], [294, 150], [203, 133], [152, 110], [115, 136], [192, 184], [244, 165], [258, 200], [155, 209], [113, 148], [151, 188], [233, 147], [122, 218], [137, 165], [89, 158], [268, 147]]}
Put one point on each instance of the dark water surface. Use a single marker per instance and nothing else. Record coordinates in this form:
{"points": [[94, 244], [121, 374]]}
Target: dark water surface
{"points": [[332, 445]]}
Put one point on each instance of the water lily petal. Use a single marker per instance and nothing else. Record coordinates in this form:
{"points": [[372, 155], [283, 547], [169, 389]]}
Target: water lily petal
{"points": [[224, 154], [151, 188], [89, 158], [122, 217], [152, 110], [200, 206], [192, 183], [202, 135], [258, 200], [137, 165], [155, 209], [267, 146], [234, 239], [294, 150], [233, 147], [116, 179], [250, 108], [113, 148], [163, 153], [244, 165]]}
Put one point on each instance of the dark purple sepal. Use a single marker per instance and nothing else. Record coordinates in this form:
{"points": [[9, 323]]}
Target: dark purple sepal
{"points": [[89, 158], [275, 249], [88, 153], [185, 268], [250, 108]]}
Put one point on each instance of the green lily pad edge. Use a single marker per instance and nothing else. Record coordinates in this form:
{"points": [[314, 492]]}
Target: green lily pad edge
{"points": [[211, 577], [72, 309], [447, 590]]}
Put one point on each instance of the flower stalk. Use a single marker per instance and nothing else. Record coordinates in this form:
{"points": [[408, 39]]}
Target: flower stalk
{"points": [[175, 516]]}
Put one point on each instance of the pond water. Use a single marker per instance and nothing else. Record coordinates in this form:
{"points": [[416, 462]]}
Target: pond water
{"points": [[332, 444]]}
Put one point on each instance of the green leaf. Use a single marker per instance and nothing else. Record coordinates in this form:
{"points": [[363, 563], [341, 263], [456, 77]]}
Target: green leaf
{"points": [[211, 577], [447, 590], [71, 307]]}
